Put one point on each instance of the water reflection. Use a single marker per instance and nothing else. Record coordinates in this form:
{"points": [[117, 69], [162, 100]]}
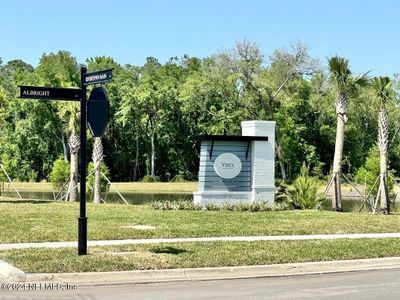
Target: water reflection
{"points": [[111, 197]]}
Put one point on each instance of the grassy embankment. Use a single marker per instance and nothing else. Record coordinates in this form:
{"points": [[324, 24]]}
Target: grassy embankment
{"points": [[50, 221], [193, 255], [33, 221]]}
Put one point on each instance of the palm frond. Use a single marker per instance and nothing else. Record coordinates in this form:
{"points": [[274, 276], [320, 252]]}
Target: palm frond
{"points": [[381, 86], [339, 70]]}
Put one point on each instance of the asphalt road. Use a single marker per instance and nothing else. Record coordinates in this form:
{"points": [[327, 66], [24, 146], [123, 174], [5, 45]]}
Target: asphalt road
{"points": [[383, 284]]}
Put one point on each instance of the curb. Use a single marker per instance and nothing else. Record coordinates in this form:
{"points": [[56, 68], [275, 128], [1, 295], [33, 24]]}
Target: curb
{"points": [[11, 273], [219, 273]]}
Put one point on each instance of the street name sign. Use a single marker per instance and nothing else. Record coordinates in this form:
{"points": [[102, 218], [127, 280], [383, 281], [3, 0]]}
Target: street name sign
{"points": [[98, 77], [47, 93]]}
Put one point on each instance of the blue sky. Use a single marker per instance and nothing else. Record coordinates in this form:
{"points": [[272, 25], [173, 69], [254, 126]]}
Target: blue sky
{"points": [[365, 31]]}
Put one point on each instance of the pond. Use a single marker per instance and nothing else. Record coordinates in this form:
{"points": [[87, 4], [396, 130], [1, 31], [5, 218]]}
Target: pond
{"points": [[111, 197]]}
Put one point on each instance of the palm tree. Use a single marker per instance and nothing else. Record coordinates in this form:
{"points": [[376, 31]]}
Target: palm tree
{"points": [[381, 87], [97, 156], [70, 114], [347, 85]]}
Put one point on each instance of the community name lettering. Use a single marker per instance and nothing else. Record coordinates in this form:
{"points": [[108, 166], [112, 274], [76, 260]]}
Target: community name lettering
{"points": [[36, 93], [96, 77]]}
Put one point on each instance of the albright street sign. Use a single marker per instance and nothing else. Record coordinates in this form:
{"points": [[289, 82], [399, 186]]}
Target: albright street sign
{"points": [[47, 93], [98, 77]]}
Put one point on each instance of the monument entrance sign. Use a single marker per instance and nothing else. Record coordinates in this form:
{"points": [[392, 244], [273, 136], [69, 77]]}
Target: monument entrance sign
{"points": [[237, 168]]}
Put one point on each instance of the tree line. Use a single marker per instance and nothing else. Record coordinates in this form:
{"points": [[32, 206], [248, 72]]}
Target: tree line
{"points": [[156, 108]]}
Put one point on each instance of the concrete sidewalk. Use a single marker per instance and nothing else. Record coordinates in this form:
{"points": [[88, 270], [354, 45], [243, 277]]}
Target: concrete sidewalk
{"points": [[204, 239]]}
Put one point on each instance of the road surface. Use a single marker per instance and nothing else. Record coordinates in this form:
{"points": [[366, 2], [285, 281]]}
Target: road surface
{"points": [[382, 284]]}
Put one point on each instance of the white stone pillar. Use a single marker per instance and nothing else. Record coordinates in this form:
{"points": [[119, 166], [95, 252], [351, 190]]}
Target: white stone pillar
{"points": [[263, 159]]}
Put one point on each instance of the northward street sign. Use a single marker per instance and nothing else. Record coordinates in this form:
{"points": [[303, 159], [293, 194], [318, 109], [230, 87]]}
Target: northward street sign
{"points": [[46, 93], [98, 77]]}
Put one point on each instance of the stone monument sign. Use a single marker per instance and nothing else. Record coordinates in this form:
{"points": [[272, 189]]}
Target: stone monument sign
{"points": [[237, 168]]}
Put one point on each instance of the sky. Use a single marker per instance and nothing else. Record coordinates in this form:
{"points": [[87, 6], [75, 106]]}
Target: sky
{"points": [[366, 32]]}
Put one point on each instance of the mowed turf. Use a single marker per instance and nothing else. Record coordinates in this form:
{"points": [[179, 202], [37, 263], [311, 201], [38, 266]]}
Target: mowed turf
{"points": [[51, 221], [194, 255]]}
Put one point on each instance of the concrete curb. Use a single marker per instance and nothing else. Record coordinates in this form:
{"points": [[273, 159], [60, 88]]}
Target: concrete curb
{"points": [[220, 273], [11, 273]]}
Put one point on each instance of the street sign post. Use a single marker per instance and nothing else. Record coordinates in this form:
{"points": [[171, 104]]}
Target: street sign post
{"points": [[82, 220], [98, 109], [97, 126]]}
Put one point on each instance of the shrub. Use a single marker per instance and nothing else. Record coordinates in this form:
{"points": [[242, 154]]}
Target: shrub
{"points": [[149, 178], [59, 174], [303, 194], [370, 171], [174, 205], [179, 178], [281, 191], [226, 206]]}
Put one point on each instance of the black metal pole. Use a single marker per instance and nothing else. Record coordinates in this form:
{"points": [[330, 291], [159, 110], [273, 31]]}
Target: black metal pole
{"points": [[82, 220]]}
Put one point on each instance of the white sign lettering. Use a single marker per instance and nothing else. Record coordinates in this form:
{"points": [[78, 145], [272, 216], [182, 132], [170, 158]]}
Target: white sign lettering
{"points": [[36, 93], [96, 77]]}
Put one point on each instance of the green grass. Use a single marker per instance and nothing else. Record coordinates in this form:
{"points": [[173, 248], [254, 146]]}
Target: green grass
{"points": [[193, 255], [50, 221]]}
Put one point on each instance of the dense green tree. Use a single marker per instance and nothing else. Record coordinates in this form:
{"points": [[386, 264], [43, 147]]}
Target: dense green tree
{"points": [[156, 108]]}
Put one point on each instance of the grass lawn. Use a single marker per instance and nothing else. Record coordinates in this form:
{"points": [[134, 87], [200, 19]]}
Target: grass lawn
{"points": [[51, 221], [192, 255]]}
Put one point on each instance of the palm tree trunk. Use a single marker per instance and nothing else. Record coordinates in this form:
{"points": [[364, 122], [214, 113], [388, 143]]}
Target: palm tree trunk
{"points": [[97, 157], [337, 163], [341, 104], [97, 186], [74, 143], [383, 142]]}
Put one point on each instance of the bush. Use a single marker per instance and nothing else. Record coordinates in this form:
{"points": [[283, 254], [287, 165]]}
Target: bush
{"points": [[174, 205], [281, 192], [226, 206], [370, 171], [303, 194], [149, 178], [59, 173], [179, 178]]}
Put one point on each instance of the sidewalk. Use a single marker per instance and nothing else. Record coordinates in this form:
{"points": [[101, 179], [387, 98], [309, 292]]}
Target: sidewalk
{"points": [[204, 239]]}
